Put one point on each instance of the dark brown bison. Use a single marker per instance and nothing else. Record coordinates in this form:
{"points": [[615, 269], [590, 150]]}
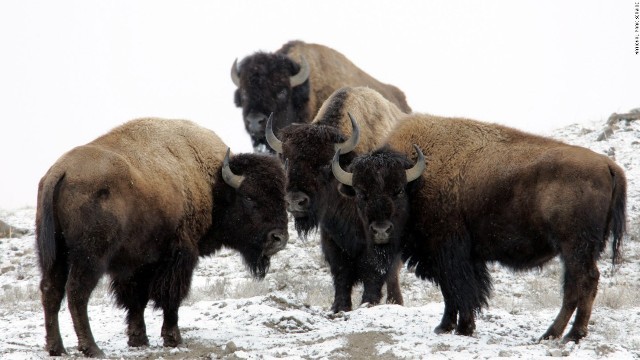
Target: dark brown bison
{"points": [[293, 82], [490, 193], [141, 204], [313, 199]]}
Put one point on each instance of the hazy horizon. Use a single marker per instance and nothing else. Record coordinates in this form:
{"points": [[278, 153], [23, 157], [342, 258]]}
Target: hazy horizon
{"points": [[73, 70]]}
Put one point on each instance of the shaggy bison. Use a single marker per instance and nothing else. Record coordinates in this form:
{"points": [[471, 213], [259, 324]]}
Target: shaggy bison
{"points": [[141, 204], [490, 193], [293, 82], [312, 196]]}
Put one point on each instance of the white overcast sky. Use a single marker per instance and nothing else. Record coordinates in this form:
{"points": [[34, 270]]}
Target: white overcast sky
{"points": [[72, 70]]}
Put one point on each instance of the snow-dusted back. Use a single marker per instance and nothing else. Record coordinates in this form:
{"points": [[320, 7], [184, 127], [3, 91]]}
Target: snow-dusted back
{"points": [[228, 315]]}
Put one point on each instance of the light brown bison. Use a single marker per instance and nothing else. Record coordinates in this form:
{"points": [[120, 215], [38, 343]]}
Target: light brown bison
{"points": [[313, 199], [293, 82], [490, 193], [141, 204]]}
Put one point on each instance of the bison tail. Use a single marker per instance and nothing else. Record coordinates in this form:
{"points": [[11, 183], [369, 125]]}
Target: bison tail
{"points": [[46, 220], [617, 211]]}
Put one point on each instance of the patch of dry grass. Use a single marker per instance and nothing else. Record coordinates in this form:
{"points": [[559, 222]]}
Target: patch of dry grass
{"points": [[617, 296]]}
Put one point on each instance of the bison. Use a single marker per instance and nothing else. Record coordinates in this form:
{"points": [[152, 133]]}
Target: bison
{"points": [[312, 196], [293, 82], [142, 203], [489, 194]]}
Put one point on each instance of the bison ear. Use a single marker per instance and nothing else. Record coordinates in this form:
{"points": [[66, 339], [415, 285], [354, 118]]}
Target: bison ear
{"points": [[346, 190], [237, 99]]}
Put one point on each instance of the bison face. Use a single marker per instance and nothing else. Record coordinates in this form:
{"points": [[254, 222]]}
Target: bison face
{"points": [[380, 182], [307, 150], [249, 209], [270, 83]]}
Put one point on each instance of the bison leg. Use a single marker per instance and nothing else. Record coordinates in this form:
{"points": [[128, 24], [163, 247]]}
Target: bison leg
{"points": [[589, 289], [170, 331], [450, 316], [372, 284], [170, 287], [580, 288], [478, 291], [394, 295], [466, 323], [569, 304], [465, 286], [133, 294], [52, 288], [82, 281], [342, 272]]}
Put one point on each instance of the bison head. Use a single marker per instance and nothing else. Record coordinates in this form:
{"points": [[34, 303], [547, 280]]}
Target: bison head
{"points": [[380, 184], [249, 209], [271, 83], [307, 149]]}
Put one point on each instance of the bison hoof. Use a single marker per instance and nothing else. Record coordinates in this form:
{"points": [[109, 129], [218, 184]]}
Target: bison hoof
{"points": [[172, 338], [574, 336], [549, 335], [138, 340], [340, 308], [56, 350], [444, 328], [465, 330], [92, 352]]}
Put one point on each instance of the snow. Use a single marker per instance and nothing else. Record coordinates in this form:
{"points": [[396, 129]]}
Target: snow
{"points": [[230, 316]]}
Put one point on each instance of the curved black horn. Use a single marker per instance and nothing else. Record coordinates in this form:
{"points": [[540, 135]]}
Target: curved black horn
{"points": [[272, 140], [417, 169], [344, 177], [235, 76], [351, 143], [302, 75], [228, 176]]}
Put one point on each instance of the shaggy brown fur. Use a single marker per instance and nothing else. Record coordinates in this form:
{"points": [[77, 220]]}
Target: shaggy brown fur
{"points": [[314, 202], [265, 88], [331, 70], [491, 193], [375, 115], [142, 203]]}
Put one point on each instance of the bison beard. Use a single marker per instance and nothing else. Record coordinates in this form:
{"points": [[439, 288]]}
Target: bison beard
{"points": [[305, 224], [257, 262]]}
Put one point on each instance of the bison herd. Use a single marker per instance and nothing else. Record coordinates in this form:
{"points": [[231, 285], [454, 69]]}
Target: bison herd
{"points": [[341, 153]]}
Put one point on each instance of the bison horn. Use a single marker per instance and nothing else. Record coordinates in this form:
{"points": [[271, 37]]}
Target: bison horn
{"points": [[340, 175], [228, 176], [351, 143], [272, 140], [235, 76], [417, 169], [302, 75]]}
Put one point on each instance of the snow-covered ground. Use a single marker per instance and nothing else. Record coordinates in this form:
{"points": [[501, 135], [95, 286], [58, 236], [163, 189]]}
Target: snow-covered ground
{"points": [[228, 315]]}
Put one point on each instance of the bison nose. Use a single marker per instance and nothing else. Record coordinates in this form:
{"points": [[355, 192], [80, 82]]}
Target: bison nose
{"points": [[277, 241], [381, 231], [256, 123], [297, 201]]}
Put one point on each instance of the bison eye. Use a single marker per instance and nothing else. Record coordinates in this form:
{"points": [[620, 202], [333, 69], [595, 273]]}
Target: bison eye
{"points": [[282, 94], [249, 201], [398, 192], [361, 195]]}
